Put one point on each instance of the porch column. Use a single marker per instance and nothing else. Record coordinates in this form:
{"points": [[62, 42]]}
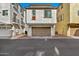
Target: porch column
{"points": [[13, 31], [29, 32], [53, 30], [68, 32]]}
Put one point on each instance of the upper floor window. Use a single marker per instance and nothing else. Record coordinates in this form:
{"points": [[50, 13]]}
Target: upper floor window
{"points": [[47, 14], [5, 12], [16, 7], [13, 3], [14, 17], [33, 14], [57, 19], [22, 21], [61, 6], [62, 17], [21, 9], [78, 12]]}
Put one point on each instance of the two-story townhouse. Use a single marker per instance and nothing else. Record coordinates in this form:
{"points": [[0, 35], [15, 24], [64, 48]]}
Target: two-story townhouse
{"points": [[62, 19], [73, 29], [11, 19], [69, 24], [41, 20]]}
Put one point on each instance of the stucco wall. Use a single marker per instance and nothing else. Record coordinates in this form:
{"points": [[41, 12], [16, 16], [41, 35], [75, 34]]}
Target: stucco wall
{"points": [[40, 17], [5, 6], [74, 17], [61, 26], [29, 31]]}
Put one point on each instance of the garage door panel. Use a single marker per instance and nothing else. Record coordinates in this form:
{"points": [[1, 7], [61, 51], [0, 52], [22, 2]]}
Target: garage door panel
{"points": [[76, 32], [41, 31]]}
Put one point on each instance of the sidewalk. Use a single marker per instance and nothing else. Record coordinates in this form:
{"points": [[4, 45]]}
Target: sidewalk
{"points": [[18, 36], [23, 36], [75, 37]]}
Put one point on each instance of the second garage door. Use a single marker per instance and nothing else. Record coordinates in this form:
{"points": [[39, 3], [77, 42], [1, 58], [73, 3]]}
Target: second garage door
{"points": [[76, 32], [41, 31]]}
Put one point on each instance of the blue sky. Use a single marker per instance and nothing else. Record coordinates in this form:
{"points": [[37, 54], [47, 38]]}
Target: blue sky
{"points": [[25, 5]]}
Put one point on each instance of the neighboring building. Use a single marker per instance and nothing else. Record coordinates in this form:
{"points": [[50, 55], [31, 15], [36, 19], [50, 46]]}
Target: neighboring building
{"points": [[62, 19], [74, 19], [11, 19], [68, 24], [41, 20]]}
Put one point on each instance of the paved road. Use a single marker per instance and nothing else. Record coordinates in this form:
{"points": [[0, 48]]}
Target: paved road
{"points": [[39, 47]]}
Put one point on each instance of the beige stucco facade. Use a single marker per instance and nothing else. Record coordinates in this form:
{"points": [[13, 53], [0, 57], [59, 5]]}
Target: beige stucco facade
{"points": [[74, 8], [69, 23], [62, 19]]}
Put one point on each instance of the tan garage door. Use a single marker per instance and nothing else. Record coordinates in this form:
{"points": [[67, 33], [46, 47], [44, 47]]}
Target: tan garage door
{"points": [[76, 33], [41, 31]]}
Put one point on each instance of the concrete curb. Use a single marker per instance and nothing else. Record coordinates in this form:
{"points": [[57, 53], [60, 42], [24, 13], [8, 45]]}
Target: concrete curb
{"points": [[18, 36], [75, 37]]}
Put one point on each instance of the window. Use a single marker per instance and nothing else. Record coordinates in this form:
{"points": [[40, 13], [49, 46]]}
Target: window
{"points": [[15, 7], [13, 3], [57, 19], [78, 12], [3, 27], [8, 27], [20, 9], [22, 21], [61, 6], [17, 20], [47, 13], [61, 17], [14, 17], [33, 14], [21, 18], [5, 13]]}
